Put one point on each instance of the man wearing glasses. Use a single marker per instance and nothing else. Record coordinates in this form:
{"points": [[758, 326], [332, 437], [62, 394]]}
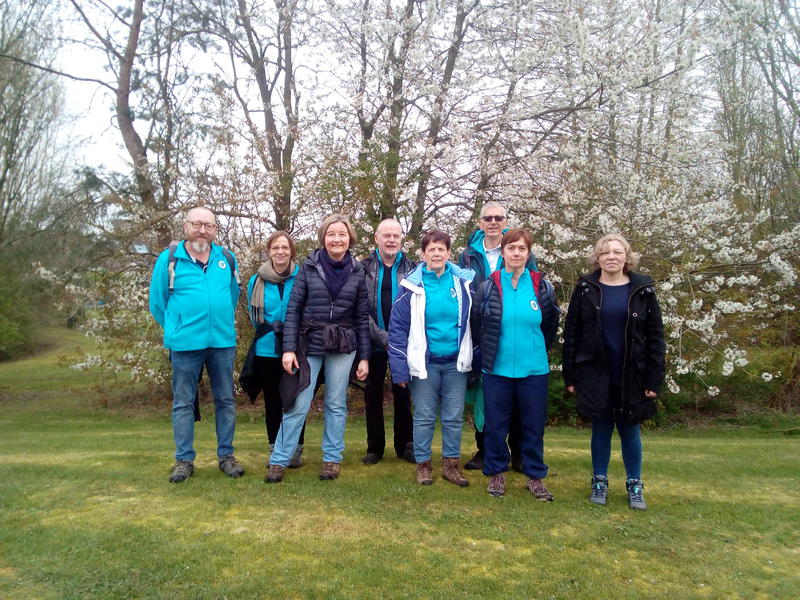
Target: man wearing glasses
{"points": [[482, 255], [193, 294]]}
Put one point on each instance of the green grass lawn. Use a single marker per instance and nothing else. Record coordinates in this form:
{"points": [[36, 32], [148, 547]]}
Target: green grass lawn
{"points": [[86, 511]]}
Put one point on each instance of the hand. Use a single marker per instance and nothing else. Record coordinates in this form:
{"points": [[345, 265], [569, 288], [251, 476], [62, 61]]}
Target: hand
{"points": [[403, 385], [362, 370], [571, 389], [650, 393], [289, 362]]}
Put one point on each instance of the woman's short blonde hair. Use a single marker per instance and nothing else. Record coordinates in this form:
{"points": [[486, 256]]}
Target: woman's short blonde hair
{"points": [[330, 220], [631, 257]]}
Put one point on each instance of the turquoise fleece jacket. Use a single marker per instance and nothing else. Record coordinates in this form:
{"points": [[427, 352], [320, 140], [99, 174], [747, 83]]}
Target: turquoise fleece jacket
{"points": [[521, 350], [199, 312]]}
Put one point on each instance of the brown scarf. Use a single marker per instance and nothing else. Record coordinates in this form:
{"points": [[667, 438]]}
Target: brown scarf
{"points": [[266, 272]]}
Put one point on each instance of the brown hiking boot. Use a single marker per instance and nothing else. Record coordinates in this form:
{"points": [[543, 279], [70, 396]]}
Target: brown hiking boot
{"points": [[539, 491], [274, 474], [451, 472], [330, 471], [424, 473]]}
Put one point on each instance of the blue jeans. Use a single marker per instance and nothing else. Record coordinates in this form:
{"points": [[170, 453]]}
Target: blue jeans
{"points": [[337, 375], [522, 396], [186, 366], [629, 435], [443, 392]]}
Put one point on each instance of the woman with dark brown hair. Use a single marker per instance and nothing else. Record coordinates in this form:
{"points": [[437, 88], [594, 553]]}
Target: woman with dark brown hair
{"points": [[268, 294], [515, 317]]}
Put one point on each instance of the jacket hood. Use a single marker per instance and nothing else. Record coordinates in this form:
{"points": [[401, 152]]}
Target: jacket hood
{"points": [[415, 277], [476, 239]]}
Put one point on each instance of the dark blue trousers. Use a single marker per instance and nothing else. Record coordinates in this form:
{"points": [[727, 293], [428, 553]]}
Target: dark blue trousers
{"points": [[527, 396]]}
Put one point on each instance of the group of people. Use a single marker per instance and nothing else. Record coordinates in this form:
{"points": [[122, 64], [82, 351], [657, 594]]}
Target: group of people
{"points": [[476, 331]]}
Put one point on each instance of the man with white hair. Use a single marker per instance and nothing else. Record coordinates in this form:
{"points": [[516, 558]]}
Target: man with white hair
{"points": [[385, 267], [193, 294]]}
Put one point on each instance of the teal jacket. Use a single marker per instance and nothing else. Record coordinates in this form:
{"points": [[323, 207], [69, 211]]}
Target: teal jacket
{"points": [[198, 314], [274, 310]]}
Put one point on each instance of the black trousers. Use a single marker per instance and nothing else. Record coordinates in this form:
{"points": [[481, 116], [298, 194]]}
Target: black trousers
{"points": [[269, 370], [373, 401]]}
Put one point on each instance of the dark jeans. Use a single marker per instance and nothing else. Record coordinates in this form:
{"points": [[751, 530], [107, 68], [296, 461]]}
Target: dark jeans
{"points": [[269, 370], [529, 396], [513, 437], [373, 402], [629, 435]]}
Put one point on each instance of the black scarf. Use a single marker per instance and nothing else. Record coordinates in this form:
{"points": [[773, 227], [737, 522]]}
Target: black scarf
{"points": [[337, 272]]}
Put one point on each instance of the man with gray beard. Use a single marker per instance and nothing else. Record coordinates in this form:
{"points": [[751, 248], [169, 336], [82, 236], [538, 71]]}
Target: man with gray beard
{"points": [[193, 294]]}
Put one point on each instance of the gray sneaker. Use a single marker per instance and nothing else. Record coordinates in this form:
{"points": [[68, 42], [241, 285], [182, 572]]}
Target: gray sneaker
{"points": [[181, 471], [230, 466], [297, 458], [636, 494], [599, 493]]}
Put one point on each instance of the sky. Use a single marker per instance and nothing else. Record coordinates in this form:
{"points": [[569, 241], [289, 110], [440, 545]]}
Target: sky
{"points": [[95, 140]]}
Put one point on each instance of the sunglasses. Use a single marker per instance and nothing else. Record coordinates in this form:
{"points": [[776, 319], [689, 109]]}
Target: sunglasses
{"points": [[495, 218]]}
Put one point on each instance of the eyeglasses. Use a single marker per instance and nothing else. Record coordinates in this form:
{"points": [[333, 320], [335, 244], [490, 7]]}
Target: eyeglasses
{"points": [[495, 218], [198, 225]]}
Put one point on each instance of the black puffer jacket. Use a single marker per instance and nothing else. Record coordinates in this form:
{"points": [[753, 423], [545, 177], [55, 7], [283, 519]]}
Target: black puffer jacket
{"points": [[311, 308], [380, 337], [585, 358], [487, 315]]}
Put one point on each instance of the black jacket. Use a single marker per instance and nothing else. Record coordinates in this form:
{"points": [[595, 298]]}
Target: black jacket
{"points": [[487, 314], [311, 312], [584, 355], [380, 337]]}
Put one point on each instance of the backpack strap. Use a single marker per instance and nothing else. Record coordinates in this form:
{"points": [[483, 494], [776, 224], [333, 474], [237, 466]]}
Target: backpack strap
{"points": [[232, 265], [173, 245]]}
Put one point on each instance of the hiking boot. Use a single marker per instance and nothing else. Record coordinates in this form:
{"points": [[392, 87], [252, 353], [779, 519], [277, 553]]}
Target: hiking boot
{"points": [[408, 454], [539, 491], [497, 485], [181, 471], [274, 474], [424, 473], [452, 473], [297, 458], [330, 471], [370, 458], [230, 466], [475, 463], [636, 494], [599, 490]]}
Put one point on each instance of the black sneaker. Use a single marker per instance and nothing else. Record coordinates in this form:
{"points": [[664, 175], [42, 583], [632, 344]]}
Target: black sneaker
{"points": [[636, 494], [370, 458], [230, 466], [408, 454], [599, 493], [475, 463], [181, 471]]}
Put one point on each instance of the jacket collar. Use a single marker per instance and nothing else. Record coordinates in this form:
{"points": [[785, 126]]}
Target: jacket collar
{"points": [[637, 279]]}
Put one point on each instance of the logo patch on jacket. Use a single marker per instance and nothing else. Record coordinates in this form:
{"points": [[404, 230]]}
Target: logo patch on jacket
{"points": [[534, 305], [222, 264], [452, 292]]}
